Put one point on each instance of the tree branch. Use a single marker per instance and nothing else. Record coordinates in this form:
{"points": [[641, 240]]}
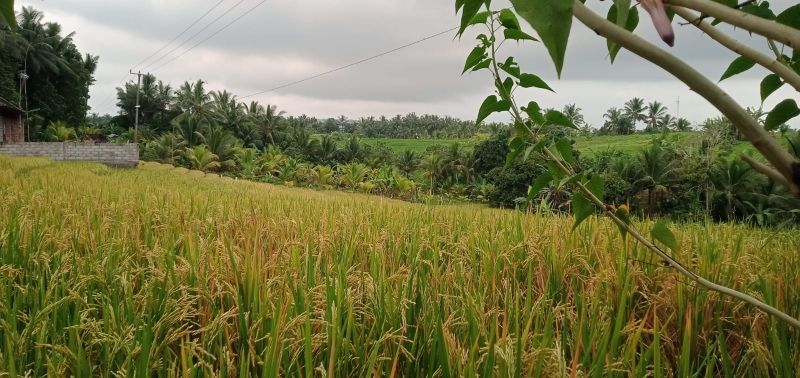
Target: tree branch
{"points": [[780, 69], [767, 28], [760, 138], [765, 170], [708, 90]]}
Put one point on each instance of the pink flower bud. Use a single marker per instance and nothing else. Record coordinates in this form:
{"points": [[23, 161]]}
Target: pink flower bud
{"points": [[660, 19]]}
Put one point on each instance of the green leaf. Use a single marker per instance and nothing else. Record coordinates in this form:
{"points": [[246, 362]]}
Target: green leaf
{"points": [[630, 19], [7, 13], [769, 85], [475, 56], [508, 19], [515, 147], [738, 66], [790, 17], [491, 105], [662, 233], [479, 18], [483, 64], [564, 148], [555, 171], [622, 214], [469, 8], [597, 187], [552, 20], [570, 180], [510, 66], [784, 111], [540, 183], [534, 112], [518, 35], [762, 11], [582, 208], [554, 117], [521, 130], [527, 80]]}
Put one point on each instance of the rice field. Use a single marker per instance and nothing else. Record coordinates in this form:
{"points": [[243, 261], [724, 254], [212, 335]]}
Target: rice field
{"points": [[155, 272]]}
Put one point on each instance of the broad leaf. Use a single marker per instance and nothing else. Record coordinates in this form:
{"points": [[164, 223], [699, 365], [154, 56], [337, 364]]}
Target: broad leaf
{"points": [[510, 67], [515, 147], [761, 10], [784, 111], [483, 64], [7, 13], [475, 56], [527, 80], [597, 187], [769, 85], [491, 105], [508, 19], [469, 8], [738, 66], [540, 183], [564, 148], [662, 233], [517, 35], [790, 17], [552, 20], [582, 208], [554, 117], [629, 21], [534, 112], [479, 18]]}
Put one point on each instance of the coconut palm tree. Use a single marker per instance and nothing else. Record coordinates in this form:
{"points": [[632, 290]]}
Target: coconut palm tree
{"points": [[60, 132], [190, 129], [192, 100], [732, 184], [617, 123], [655, 111], [163, 149], [200, 158], [247, 162], [265, 119], [655, 172], [635, 110], [353, 174], [666, 122], [682, 124], [222, 143], [573, 112], [40, 43], [322, 175], [408, 162]]}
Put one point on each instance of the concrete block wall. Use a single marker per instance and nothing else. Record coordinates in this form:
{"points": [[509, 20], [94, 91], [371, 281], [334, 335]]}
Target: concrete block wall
{"points": [[118, 155]]}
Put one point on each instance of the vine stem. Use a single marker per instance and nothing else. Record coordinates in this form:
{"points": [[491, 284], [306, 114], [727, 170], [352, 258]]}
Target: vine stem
{"points": [[785, 164], [767, 28], [774, 65]]}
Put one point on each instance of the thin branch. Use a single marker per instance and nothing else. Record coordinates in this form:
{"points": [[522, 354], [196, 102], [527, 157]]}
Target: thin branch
{"points": [[765, 170], [652, 53], [704, 16], [767, 28], [744, 122], [780, 69]]}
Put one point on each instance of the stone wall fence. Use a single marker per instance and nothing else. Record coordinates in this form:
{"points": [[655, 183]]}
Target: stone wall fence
{"points": [[117, 155]]}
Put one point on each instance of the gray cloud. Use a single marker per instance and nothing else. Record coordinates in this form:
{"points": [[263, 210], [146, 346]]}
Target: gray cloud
{"points": [[286, 40]]}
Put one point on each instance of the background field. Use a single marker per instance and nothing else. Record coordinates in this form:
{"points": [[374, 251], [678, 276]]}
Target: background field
{"points": [[588, 146], [163, 271]]}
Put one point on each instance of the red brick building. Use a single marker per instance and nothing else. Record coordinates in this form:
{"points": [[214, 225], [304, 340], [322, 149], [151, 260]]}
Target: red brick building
{"points": [[10, 122]]}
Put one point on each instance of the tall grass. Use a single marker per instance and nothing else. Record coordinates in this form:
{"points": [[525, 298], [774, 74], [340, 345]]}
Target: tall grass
{"points": [[147, 272]]}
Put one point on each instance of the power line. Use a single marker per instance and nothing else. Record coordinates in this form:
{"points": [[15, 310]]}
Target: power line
{"points": [[194, 35], [181, 33], [212, 35], [110, 97], [351, 64]]}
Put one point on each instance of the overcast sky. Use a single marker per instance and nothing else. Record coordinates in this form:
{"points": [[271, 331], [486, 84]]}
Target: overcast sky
{"points": [[281, 41]]}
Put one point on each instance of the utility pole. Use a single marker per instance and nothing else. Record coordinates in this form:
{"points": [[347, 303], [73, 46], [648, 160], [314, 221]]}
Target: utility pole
{"points": [[136, 117]]}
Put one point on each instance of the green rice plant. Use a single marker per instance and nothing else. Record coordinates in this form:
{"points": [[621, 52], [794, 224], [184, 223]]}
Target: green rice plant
{"points": [[149, 272]]}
